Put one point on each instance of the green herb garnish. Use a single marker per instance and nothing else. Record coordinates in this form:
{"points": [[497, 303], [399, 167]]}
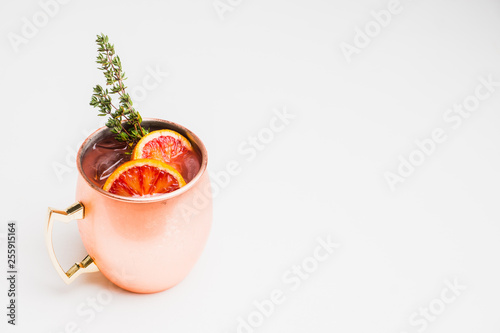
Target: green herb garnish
{"points": [[124, 120]]}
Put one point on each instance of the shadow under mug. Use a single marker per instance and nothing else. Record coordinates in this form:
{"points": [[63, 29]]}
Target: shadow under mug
{"points": [[141, 244]]}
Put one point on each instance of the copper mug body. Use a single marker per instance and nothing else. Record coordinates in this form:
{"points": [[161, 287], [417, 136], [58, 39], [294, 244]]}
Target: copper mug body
{"points": [[141, 244]]}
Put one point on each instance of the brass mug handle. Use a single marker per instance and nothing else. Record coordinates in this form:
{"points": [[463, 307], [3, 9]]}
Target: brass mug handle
{"points": [[74, 212]]}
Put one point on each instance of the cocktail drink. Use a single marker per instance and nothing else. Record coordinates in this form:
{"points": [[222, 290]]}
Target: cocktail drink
{"points": [[144, 201], [107, 155], [142, 243]]}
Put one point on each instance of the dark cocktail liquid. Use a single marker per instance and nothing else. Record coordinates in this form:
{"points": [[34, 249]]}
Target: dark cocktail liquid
{"points": [[107, 154]]}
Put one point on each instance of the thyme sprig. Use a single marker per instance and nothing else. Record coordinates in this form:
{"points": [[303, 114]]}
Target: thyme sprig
{"points": [[124, 120]]}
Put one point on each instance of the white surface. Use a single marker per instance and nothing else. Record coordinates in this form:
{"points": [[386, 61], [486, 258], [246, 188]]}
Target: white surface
{"points": [[322, 175]]}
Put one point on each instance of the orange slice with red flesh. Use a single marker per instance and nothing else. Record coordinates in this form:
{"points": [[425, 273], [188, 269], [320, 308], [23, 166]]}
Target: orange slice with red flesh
{"points": [[172, 148], [162, 145], [143, 177]]}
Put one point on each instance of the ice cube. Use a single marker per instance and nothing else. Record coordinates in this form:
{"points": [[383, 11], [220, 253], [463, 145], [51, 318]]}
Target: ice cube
{"points": [[111, 143], [107, 163]]}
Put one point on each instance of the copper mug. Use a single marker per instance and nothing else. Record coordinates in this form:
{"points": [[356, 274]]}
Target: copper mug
{"points": [[144, 245]]}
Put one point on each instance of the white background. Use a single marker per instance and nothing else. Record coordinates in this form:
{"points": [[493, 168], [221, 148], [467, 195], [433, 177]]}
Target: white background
{"points": [[322, 175]]}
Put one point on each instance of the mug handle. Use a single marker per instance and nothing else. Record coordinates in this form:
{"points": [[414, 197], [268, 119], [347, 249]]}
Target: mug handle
{"points": [[74, 212]]}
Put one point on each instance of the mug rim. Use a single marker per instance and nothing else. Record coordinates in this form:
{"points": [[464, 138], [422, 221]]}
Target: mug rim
{"points": [[157, 197]]}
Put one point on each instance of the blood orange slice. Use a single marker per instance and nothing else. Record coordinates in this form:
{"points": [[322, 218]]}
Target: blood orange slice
{"points": [[163, 145], [143, 177], [172, 148]]}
